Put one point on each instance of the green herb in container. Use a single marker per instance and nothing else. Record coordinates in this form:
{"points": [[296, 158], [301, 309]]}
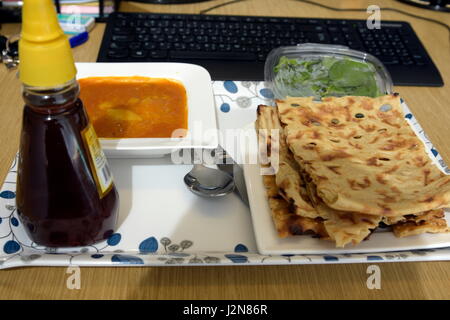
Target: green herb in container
{"points": [[325, 70]]}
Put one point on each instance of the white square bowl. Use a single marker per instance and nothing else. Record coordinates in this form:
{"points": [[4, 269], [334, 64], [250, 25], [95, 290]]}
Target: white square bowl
{"points": [[202, 124]]}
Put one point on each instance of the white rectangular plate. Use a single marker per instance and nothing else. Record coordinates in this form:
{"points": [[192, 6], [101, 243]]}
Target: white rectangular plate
{"points": [[202, 123], [267, 238], [268, 241]]}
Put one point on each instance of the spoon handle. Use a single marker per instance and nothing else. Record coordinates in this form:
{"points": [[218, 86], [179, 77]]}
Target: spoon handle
{"points": [[226, 163]]}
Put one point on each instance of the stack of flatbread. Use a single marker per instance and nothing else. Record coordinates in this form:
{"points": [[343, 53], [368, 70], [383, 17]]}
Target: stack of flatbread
{"points": [[345, 166]]}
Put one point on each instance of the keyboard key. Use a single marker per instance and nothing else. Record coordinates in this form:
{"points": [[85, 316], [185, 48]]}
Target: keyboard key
{"points": [[201, 39], [117, 45], [147, 23], [164, 45], [354, 43], [143, 37], [169, 31], [241, 56], [375, 52], [332, 22], [122, 16], [139, 54], [142, 30], [318, 37], [224, 47], [407, 62], [262, 56], [158, 54], [189, 39], [117, 53], [384, 44], [141, 16], [122, 38], [389, 60], [149, 45], [411, 43], [237, 47], [135, 45], [122, 30], [162, 23], [183, 46], [120, 23], [334, 29], [155, 30], [387, 50], [402, 53], [421, 62], [309, 28], [173, 38]]}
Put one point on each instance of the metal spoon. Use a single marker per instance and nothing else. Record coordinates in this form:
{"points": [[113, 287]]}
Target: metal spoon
{"points": [[208, 182]]}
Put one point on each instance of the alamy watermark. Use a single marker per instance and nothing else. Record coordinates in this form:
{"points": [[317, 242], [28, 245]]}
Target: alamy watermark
{"points": [[374, 20], [73, 282], [252, 147], [374, 279]]}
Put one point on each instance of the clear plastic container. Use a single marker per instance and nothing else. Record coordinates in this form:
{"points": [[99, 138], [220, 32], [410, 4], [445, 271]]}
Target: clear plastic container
{"points": [[310, 70]]}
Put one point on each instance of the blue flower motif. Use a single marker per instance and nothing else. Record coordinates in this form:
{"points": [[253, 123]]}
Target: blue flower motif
{"points": [[230, 86], [373, 258], [266, 93], [11, 246], [330, 258], [240, 248], [408, 116], [14, 222], [7, 194], [149, 245], [244, 102], [434, 152], [97, 256], [114, 239], [237, 258], [125, 259], [225, 107]]}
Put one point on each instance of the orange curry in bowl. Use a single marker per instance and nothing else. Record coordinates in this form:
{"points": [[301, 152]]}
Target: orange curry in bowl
{"points": [[134, 107]]}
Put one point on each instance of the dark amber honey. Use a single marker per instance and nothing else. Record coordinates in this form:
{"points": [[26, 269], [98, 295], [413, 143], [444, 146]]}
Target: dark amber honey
{"points": [[57, 197]]}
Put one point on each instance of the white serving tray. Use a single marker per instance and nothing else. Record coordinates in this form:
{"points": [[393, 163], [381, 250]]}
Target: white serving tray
{"points": [[162, 223]]}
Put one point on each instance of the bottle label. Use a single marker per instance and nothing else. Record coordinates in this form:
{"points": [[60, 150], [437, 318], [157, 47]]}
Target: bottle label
{"points": [[97, 160]]}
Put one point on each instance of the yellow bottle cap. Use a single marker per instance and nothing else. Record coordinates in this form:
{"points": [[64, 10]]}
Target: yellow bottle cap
{"points": [[44, 51]]}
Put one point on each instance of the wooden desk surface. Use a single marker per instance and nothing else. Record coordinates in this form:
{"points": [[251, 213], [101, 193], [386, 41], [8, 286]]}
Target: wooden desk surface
{"points": [[424, 280]]}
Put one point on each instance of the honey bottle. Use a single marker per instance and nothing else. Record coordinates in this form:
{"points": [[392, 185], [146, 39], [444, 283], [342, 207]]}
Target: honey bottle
{"points": [[65, 191]]}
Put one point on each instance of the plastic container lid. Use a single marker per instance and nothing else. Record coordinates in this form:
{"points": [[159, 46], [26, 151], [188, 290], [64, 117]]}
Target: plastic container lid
{"points": [[324, 70]]}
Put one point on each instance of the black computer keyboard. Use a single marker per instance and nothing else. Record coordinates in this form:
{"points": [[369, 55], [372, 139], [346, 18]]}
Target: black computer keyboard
{"points": [[235, 47]]}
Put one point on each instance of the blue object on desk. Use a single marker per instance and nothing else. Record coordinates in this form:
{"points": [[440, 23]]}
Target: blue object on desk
{"points": [[79, 39]]}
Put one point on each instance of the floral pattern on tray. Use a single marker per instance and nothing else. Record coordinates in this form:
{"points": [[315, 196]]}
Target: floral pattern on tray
{"points": [[236, 103]]}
